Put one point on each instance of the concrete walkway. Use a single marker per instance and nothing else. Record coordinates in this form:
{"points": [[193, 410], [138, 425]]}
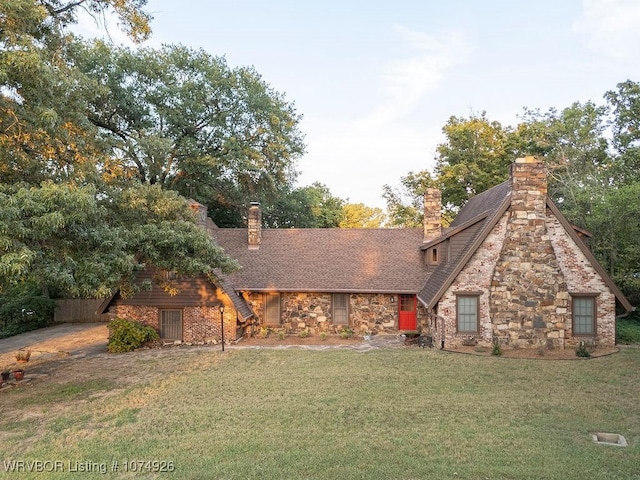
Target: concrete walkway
{"points": [[77, 339]]}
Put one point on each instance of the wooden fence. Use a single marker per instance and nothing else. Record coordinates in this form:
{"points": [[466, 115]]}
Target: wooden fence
{"points": [[79, 310]]}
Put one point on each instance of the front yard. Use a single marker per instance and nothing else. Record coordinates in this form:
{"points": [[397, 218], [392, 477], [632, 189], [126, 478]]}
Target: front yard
{"points": [[262, 413]]}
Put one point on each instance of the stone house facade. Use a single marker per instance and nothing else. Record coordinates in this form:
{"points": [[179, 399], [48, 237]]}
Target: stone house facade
{"points": [[509, 269], [524, 276]]}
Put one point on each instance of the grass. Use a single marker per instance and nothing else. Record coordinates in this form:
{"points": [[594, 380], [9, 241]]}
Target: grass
{"points": [[396, 413]]}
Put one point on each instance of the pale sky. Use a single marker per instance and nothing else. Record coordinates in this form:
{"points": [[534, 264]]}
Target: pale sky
{"points": [[376, 81]]}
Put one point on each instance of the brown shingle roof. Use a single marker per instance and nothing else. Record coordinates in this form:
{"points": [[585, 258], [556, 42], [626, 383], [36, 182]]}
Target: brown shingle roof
{"points": [[328, 260]]}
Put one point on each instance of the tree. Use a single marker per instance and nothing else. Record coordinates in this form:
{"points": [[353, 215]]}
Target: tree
{"points": [[77, 241], [312, 206], [405, 204], [625, 105], [358, 215], [185, 120], [44, 132], [474, 157], [573, 145]]}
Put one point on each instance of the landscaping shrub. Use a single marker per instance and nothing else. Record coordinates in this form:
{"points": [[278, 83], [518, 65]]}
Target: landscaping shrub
{"points": [[24, 308], [126, 335], [628, 329]]}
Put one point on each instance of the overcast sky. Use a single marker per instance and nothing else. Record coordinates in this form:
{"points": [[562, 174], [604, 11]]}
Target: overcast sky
{"points": [[376, 81]]}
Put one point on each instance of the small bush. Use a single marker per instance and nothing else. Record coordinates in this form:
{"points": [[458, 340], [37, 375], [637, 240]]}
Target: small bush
{"points": [[323, 335], [126, 335], [23, 356], [497, 349], [582, 351], [304, 333], [346, 333], [281, 335]]}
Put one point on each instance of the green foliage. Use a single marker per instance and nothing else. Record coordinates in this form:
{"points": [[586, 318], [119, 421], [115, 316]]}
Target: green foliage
{"points": [[323, 335], [191, 123], [24, 307], [358, 215], [304, 333], [473, 159], [405, 204], [628, 329], [346, 333], [127, 335], [78, 241], [496, 349], [312, 206], [582, 351]]}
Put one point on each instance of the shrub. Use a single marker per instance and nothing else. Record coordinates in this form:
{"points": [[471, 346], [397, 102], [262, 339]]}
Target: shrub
{"points": [[323, 335], [628, 329], [304, 333], [126, 335], [497, 349], [582, 351], [346, 333]]}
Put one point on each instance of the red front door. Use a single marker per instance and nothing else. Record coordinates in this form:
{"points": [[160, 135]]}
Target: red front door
{"points": [[407, 312]]}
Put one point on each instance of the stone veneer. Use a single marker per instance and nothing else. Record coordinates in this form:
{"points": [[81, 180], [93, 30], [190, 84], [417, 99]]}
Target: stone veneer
{"points": [[524, 273], [199, 324], [375, 313]]}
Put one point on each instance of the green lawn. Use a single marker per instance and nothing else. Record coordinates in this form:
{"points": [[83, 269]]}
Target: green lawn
{"points": [[338, 414]]}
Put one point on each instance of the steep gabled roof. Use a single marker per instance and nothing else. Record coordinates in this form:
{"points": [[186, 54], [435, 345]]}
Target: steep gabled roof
{"points": [[327, 260], [478, 217]]}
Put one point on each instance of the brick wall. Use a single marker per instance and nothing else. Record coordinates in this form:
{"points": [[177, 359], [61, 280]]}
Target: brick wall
{"points": [[476, 276], [199, 324], [581, 277]]}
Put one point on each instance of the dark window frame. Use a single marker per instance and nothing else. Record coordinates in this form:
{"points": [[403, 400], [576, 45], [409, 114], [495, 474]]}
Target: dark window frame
{"points": [[164, 310], [268, 320], [345, 308], [466, 295]]}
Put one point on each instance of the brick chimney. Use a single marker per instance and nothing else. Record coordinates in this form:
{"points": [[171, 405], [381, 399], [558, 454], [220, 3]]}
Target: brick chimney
{"points": [[432, 214], [529, 187], [200, 211], [254, 224]]}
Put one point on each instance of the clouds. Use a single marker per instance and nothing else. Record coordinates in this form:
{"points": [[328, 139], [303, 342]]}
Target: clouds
{"points": [[611, 27], [392, 134], [407, 80]]}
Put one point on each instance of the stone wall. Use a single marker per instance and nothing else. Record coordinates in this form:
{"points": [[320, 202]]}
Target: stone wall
{"points": [[524, 274], [312, 312]]}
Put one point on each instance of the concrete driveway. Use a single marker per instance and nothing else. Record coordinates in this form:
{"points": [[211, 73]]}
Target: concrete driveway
{"points": [[77, 339]]}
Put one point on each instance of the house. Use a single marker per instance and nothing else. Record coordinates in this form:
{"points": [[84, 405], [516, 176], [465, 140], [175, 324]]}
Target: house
{"points": [[510, 268], [515, 271]]}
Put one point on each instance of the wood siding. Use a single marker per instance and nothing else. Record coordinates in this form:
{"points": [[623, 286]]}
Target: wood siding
{"points": [[195, 291]]}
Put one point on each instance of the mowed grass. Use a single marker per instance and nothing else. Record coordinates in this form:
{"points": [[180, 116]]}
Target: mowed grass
{"points": [[342, 414]]}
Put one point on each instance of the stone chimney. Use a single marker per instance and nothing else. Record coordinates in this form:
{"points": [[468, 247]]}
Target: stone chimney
{"points": [[432, 214], [529, 188], [254, 224]]}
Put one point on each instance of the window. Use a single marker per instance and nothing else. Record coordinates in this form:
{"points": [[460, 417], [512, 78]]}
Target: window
{"points": [[584, 315], [467, 313], [171, 324], [341, 308], [272, 309]]}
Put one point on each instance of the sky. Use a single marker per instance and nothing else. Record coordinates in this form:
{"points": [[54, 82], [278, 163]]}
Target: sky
{"points": [[376, 81]]}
